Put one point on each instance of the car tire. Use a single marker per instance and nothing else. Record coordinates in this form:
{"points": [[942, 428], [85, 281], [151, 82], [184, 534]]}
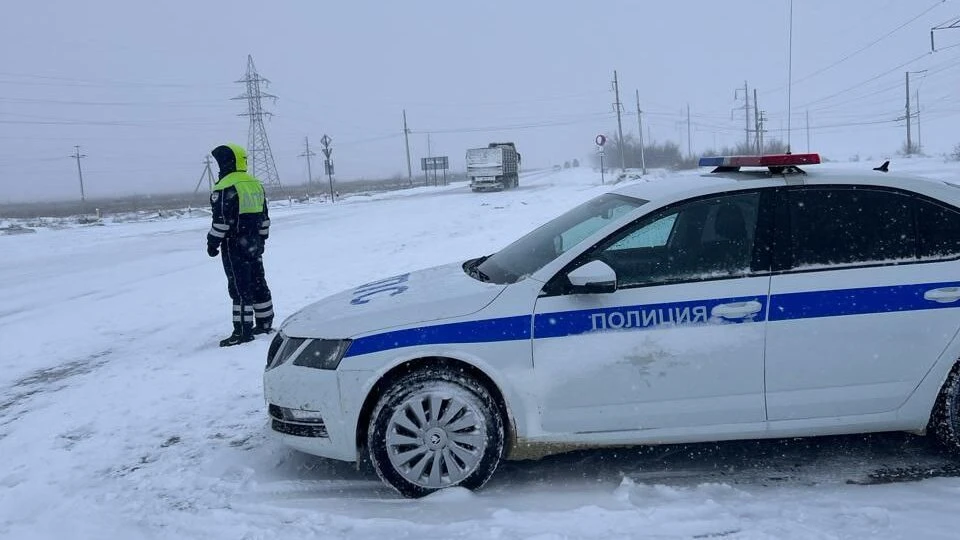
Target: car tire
{"points": [[435, 429], [945, 420]]}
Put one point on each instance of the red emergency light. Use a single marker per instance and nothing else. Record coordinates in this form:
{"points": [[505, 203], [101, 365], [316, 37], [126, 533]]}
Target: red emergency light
{"points": [[770, 160]]}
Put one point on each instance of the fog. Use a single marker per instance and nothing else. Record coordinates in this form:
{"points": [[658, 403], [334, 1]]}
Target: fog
{"points": [[145, 89]]}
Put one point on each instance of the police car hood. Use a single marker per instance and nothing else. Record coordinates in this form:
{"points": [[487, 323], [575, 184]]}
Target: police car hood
{"points": [[427, 295]]}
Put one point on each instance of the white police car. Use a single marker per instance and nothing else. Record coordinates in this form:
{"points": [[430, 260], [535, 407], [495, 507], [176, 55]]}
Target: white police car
{"points": [[774, 303]]}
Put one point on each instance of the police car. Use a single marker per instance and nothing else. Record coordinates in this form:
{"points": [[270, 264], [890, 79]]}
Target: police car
{"points": [[773, 302]]}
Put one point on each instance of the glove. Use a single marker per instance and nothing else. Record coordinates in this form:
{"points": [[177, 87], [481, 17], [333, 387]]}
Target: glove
{"points": [[212, 250]]}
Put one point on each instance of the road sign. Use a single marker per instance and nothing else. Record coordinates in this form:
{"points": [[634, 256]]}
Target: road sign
{"points": [[328, 163], [601, 140], [438, 163]]}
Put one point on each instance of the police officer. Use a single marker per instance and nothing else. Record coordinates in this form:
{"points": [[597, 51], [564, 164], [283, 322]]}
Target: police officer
{"points": [[241, 226]]}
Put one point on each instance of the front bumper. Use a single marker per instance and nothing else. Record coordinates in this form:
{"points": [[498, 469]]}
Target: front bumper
{"points": [[306, 413], [298, 423]]}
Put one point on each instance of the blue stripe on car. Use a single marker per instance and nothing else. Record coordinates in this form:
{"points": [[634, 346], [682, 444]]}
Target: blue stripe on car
{"points": [[783, 307], [862, 301], [482, 331]]}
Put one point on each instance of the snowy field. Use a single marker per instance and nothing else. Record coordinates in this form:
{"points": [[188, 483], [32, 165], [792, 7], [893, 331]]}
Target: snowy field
{"points": [[121, 418]]}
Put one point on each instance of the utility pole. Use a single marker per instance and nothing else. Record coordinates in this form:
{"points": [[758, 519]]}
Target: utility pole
{"points": [[207, 174], [919, 140], [619, 107], [406, 140], [328, 163], [308, 154], [808, 131], [761, 129], [746, 113], [426, 174], [77, 155], [951, 24], [909, 142], [756, 122], [643, 159], [689, 136], [258, 146]]}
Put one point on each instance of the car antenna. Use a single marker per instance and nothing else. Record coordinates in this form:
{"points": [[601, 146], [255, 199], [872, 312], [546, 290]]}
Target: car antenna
{"points": [[883, 168]]}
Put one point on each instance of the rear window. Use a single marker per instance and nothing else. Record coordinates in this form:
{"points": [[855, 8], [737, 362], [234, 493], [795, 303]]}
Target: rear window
{"points": [[850, 226], [938, 229]]}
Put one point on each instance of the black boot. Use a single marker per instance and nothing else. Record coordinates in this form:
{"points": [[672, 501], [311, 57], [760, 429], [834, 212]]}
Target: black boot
{"points": [[264, 326], [236, 339], [242, 333]]}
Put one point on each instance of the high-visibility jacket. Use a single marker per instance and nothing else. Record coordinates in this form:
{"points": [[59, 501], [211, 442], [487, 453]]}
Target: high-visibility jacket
{"points": [[239, 207]]}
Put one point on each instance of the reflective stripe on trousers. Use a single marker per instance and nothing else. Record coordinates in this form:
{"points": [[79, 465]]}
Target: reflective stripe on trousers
{"points": [[263, 310], [242, 314]]}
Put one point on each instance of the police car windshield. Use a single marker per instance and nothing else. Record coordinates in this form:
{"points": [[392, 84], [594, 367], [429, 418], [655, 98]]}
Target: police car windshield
{"points": [[531, 252]]}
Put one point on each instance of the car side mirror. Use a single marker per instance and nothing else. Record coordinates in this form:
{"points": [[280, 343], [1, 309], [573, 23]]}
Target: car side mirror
{"points": [[595, 277]]}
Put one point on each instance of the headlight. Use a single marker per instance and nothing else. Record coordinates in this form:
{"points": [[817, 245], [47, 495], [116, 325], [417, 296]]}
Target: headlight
{"points": [[281, 349], [274, 349], [322, 353]]}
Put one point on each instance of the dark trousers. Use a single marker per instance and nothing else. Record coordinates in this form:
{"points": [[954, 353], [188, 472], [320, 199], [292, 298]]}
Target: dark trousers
{"points": [[238, 266], [262, 300], [247, 284]]}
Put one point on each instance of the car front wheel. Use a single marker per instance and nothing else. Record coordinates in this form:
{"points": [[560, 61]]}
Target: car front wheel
{"points": [[435, 429]]}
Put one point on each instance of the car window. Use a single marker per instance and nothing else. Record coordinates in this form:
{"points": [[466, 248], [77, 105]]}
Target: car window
{"points": [[850, 226], [705, 239], [938, 231], [578, 233], [652, 235], [532, 251]]}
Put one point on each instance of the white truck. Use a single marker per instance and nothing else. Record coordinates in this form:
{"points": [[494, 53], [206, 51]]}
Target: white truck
{"points": [[495, 167]]}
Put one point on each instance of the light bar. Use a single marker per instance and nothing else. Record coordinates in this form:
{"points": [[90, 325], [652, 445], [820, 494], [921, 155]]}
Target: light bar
{"points": [[771, 160]]}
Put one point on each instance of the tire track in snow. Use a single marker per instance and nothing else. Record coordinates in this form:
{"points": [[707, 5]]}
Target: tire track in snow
{"points": [[14, 399]]}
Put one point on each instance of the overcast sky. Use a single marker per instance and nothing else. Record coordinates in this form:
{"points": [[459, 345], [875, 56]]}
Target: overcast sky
{"points": [[145, 88]]}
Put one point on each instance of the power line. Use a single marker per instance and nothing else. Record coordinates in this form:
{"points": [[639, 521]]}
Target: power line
{"points": [[933, 70], [864, 48], [372, 139], [517, 127], [175, 125], [867, 81], [74, 82], [190, 103], [547, 99]]}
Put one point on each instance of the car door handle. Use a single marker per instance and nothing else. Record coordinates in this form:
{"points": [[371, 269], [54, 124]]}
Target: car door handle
{"points": [[943, 295], [738, 310]]}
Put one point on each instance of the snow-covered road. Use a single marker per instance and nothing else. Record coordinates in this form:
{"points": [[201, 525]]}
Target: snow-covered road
{"points": [[121, 418]]}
